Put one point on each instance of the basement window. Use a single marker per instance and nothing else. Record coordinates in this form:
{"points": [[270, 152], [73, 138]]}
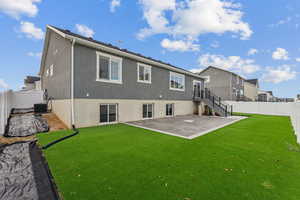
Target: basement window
{"points": [[108, 113], [170, 109], [148, 111], [109, 68]]}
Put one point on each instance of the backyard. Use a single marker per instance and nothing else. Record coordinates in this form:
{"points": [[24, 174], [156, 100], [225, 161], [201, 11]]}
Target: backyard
{"points": [[256, 158]]}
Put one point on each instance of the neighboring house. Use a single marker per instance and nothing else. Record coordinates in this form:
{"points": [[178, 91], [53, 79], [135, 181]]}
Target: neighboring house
{"points": [[225, 84], [32, 83], [94, 83], [266, 96], [251, 88]]}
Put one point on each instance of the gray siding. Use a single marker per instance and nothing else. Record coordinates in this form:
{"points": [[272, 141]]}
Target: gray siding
{"points": [[59, 84], [86, 85], [219, 83]]}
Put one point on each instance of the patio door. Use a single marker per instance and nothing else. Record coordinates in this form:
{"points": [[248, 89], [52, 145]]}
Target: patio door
{"points": [[108, 113]]}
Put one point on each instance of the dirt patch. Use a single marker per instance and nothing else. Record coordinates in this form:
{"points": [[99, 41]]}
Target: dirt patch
{"points": [[5, 140], [54, 122]]}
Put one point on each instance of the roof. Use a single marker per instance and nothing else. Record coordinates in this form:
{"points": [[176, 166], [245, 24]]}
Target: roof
{"points": [[118, 50], [252, 81], [31, 79], [221, 70]]}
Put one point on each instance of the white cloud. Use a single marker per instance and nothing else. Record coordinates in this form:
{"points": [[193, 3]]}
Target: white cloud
{"points": [[282, 21], [3, 84], [279, 74], [192, 18], [215, 44], [280, 54], [195, 70], [37, 54], [16, 8], [84, 30], [252, 52], [31, 31], [114, 4], [179, 45], [232, 63], [298, 59]]}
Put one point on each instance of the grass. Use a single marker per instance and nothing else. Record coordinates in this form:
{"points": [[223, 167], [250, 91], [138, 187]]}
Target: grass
{"points": [[254, 159]]}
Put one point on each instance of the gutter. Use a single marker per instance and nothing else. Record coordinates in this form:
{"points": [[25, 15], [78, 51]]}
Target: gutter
{"points": [[72, 82]]}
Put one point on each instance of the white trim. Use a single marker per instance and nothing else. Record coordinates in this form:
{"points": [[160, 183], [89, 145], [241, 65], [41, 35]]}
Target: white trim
{"points": [[183, 78], [111, 57], [138, 73], [51, 70]]}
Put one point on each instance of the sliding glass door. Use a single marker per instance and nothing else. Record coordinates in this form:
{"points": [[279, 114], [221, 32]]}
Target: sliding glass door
{"points": [[108, 113]]}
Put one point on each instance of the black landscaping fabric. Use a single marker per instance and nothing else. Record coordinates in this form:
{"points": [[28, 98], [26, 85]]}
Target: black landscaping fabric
{"points": [[46, 187], [26, 125], [22, 110], [17, 179], [24, 172]]}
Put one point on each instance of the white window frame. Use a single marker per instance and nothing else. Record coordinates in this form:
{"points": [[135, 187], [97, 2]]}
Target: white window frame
{"points": [[117, 113], [51, 70], [144, 118], [183, 78], [47, 72], [138, 73], [115, 58]]}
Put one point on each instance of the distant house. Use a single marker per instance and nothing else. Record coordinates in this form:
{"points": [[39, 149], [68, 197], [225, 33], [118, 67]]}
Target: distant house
{"points": [[225, 84], [251, 88], [32, 83], [266, 96]]}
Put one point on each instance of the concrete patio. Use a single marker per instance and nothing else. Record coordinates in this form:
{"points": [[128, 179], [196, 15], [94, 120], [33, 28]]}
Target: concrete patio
{"points": [[189, 126]]}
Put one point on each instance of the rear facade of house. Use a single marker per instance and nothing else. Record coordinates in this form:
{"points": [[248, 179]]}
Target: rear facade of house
{"points": [[94, 83], [225, 84]]}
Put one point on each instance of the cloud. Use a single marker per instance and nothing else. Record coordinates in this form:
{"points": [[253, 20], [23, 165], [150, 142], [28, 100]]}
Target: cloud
{"points": [[215, 44], [298, 59], [32, 54], [279, 74], [114, 4], [193, 18], [252, 52], [31, 31], [84, 30], [16, 8], [195, 70], [179, 45], [232, 63], [280, 54], [281, 22], [3, 84]]}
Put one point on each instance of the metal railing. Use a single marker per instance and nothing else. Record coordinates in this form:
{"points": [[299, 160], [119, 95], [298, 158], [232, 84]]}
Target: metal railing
{"points": [[215, 100]]}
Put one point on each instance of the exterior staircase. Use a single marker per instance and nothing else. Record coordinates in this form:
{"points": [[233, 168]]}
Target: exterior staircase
{"points": [[212, 101]]}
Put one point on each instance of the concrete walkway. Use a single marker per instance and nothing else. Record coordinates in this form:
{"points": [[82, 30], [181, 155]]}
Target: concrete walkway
{"points": [[189, 126]]}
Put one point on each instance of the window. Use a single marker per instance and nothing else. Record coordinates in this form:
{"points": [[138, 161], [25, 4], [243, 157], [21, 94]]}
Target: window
{"points": [[51, 70], [47, 73], [177, 81], [108, 113], [147, 111], [143, 73], [170, 109], [109, 68]]}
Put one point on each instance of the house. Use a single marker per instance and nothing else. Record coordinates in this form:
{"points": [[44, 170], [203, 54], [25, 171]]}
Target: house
{"points": [[92, 83], [32, 83], [266, 96], [225, 84], [251, 88]]}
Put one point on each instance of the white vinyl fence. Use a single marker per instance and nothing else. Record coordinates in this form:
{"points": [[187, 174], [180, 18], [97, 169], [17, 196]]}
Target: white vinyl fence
{"points": [[19, 99], [291, 109]]}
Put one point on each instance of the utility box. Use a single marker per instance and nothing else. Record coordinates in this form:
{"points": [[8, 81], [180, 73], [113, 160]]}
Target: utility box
{"points": [[40, 108]]}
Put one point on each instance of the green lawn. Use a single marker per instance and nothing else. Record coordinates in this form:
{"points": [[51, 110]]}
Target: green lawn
{"points": [[256, 158]]}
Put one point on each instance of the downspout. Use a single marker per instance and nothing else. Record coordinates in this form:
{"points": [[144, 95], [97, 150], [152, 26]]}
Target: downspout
{"points": [[72, 82]]}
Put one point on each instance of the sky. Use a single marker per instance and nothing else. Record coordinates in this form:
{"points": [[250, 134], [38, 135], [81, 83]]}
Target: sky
{"points": [[256, 39]]}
